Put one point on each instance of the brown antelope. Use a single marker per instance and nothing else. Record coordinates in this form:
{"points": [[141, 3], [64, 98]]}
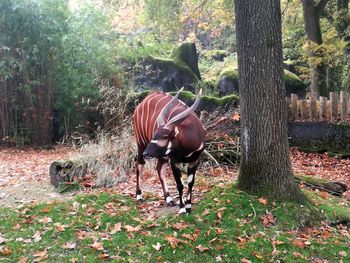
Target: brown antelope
{"points": [[167, 129]]}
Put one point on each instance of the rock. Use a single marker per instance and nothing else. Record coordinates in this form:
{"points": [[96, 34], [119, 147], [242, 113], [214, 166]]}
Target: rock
{"points": [[187, 53], [294, 84], [169, 74], [216, 54], [228, 83]]}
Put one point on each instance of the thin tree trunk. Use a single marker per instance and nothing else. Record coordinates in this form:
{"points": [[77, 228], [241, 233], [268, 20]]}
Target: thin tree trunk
{"points": [[311, 14], [265, 167]]}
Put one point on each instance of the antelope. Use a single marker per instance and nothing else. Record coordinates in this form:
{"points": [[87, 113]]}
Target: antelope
{"points": [[166, 129]]}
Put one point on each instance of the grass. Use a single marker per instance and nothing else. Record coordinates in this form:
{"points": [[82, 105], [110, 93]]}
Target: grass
{"points": [[226, 226]]}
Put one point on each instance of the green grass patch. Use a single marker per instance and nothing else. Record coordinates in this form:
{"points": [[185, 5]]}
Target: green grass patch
{"points": [[227, 225]]}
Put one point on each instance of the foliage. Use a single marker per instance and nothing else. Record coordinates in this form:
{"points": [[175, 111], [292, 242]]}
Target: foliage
{"points": [[31, 33], [88, 61]]}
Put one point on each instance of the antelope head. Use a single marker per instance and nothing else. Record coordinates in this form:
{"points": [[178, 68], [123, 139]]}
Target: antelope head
{"points": [[164, 134]]}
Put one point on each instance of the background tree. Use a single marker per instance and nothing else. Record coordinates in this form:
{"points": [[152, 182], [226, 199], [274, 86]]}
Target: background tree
{"points": [[265, 166], [312, 12]]}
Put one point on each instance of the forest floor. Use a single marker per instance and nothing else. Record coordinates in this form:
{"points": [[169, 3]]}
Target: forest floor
{"points": [[24, 176], [226, 225]]}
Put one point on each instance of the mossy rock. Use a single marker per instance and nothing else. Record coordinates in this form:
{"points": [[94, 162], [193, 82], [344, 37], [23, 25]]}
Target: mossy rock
{"points": [[339, 155], [293, 84], [312, 150], [216, 54], [187, 53], [171, 74]]}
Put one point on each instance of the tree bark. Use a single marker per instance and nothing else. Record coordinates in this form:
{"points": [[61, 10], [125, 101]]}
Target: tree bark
{"points": [[265, 167], [311, 13]]}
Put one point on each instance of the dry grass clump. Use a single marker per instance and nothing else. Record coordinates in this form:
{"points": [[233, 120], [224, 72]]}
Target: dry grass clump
{"points": [[108, 158]]}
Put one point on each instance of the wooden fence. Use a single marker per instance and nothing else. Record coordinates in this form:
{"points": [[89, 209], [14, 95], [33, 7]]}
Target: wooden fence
{"points": [[334, 109]]}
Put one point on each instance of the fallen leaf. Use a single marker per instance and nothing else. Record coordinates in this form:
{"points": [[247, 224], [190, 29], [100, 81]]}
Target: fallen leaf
{"points": [[132, 229], [205, 212], [298, 243], [157, 247], [202, 248], [180, 225], [69, 245], [218, 259], [22, 259], [103, 256], [342, 253], [219, 231], [262, 201], [37, 236], [5, 251], [45, 220], [258, 255], [2, 240], [241, 240], [116, 228], [97, 245], [46, 209], [39, 256], [236, 116], [244, 260], [173, 241], [59, 227], [268, 219]]}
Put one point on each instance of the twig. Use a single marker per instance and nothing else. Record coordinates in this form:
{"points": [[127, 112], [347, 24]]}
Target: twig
{"points": [[253, 212], [211, 157]]}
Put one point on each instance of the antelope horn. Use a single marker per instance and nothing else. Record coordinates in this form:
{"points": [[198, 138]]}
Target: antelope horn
{"points": [[188, 111], [167, 108]]}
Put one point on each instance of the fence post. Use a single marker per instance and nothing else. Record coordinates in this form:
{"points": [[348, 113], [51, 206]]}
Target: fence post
{"points": [[303, 110], [334, 106], [313, 108], [288, 112], [343, 106], [323, 105], [294, 106]]}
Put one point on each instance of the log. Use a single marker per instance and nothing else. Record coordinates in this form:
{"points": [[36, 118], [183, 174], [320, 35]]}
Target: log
{"points": [[65, 171], [333, 188]]}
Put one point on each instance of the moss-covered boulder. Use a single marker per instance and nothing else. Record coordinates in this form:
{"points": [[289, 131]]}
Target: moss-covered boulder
{"points": [[169, 74], [294, 84], [228, 82], [216, 54], [187, 53]]}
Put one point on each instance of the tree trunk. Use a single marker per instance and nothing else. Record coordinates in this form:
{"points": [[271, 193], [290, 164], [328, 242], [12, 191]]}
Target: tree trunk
{"points": [[265, 167], [311, 14], [342, 5]]}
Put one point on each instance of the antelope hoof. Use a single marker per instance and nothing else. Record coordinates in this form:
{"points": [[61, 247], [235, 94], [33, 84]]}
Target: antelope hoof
{"points": [[170, 201], [139, 198], [188, 208], [182, 211]]}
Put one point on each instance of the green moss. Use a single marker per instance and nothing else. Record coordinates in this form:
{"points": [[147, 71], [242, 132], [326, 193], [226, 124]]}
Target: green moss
{"points": [[232, 73], [184, 54], [291, 77], [312, 149], [179, 53], [178, 64], [216, 54], [188, 96], [339, 155], [310, 180]]}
